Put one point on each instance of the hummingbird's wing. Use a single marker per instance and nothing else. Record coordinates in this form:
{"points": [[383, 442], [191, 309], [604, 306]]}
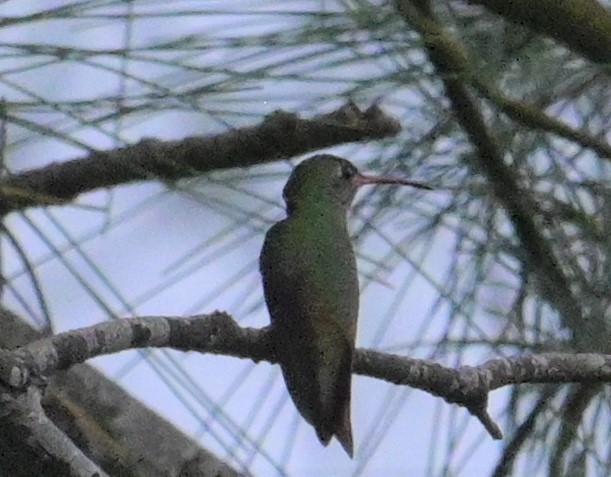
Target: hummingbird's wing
{"points": [[321, 267], [311, 290]]}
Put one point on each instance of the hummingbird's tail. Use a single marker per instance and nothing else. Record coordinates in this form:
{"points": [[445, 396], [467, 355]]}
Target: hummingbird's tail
{"points": [[344, 433]]}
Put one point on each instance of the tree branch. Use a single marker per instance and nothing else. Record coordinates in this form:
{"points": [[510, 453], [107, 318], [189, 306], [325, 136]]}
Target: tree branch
{"points": [[50, 451], [280, 135], [218, 333], [451, 61], [534, 118], [108, 425], [582, 25]]}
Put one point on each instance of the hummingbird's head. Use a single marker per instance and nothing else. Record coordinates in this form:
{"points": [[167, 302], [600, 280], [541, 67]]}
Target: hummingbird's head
{"points": [[323, 178], [331, 180]]}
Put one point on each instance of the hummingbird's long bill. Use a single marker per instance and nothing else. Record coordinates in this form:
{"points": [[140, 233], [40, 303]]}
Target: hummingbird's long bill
{"points": [[363, 179]]}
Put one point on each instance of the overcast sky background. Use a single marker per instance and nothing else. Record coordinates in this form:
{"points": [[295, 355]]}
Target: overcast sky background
{"points": [[193, 247]]}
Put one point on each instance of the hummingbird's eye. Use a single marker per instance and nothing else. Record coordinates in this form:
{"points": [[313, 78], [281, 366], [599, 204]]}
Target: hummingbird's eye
{"points": [[347, 171]]}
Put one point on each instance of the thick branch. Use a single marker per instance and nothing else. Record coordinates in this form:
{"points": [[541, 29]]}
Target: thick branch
{"points": [[582, 25], [49, 451], [108, 425], [450, 56], [218, 333], [280, 135]]}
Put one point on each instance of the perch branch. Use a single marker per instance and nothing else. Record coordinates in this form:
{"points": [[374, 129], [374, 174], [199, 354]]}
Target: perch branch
{"points": [[218, 333]]}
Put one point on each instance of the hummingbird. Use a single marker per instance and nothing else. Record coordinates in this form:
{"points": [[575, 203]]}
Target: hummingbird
{"points": [[311, 290]]}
